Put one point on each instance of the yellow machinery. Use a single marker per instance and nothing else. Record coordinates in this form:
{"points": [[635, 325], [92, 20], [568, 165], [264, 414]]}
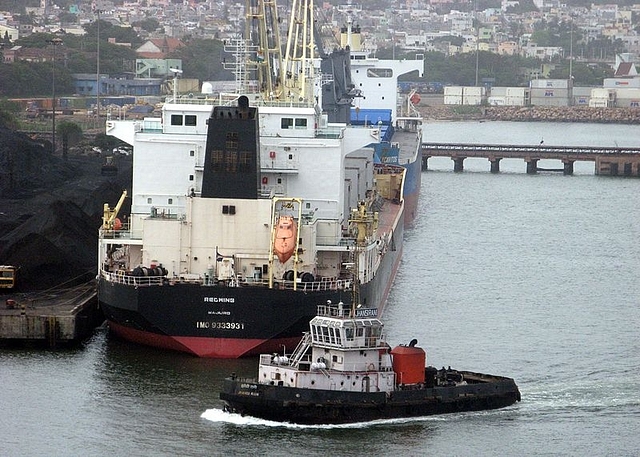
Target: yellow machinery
{"points": [[8, 276], [110, 219]]}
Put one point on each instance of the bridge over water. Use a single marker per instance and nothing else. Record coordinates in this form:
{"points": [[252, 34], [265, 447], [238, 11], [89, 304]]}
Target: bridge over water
{"points": [[612, 161]]}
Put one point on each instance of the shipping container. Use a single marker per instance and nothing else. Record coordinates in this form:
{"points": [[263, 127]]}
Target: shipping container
{"points": [[453, 99], [549, 93], [515, 101], [452, 90], [549, 101], [549, 83], [581, 100], [614, 83], [627, 102], [601, 93], [517, 91], [627, 93], [599, 103], [496, 101], [472, 100], [499, 91], [473, 90]]}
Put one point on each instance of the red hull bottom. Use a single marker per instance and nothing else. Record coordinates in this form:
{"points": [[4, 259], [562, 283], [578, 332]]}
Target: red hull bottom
{"points": [[219, 348]]}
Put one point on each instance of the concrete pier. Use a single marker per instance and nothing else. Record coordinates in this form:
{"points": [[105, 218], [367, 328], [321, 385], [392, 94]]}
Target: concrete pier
{"points": [[50, 319]]}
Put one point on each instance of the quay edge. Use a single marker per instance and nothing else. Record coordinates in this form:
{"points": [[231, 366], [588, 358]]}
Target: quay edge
{"points": [[53, 320]]}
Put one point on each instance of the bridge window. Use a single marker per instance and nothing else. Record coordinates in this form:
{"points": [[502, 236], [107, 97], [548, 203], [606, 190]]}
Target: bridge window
{"points": [[190, 119], [348, 333], [379, 72], [325, 335], [301, 123], [176, 119], [332, 335], [286, 123]]}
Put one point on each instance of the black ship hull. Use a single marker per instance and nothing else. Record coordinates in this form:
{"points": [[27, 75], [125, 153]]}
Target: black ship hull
{"points": [[309, 406], [227, 322]]}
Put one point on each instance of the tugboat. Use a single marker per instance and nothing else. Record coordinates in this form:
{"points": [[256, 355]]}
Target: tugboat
{"points": [[343, 371]]}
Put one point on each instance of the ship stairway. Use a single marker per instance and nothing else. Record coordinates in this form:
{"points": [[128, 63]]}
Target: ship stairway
{"points": [[301, 349]]}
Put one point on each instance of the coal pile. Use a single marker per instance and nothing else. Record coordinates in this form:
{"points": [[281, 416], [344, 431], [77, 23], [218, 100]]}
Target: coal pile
{"points": [[51, 210]]}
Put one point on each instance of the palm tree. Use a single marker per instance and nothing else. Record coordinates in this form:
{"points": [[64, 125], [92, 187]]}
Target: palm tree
{"points": [[71, 133]]}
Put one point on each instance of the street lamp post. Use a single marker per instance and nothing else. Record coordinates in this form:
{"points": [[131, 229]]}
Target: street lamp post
{"points": [[55, 42]]}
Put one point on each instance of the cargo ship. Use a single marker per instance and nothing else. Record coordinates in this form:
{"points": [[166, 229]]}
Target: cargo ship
{"points": [[248, 209], [344, 371]]}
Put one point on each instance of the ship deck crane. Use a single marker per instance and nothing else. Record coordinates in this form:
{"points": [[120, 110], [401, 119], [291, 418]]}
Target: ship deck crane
{"points": [[110, 219]]}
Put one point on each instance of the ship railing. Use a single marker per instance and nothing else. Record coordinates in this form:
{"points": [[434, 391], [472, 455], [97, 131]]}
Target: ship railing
{"points": [[334, 310], [311, 286], [120, 277], [124, 233]]}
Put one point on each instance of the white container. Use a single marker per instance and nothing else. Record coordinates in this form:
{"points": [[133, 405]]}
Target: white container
{"points": [[549, 83], [614, 83], [499, 91], [599, 103], [549, 101], [517, 91], [627, 93], [496, 100], [452, 90], [549, 93], [515, 101], [473, 90], [453, 99], [598, 92], [472, 100]]}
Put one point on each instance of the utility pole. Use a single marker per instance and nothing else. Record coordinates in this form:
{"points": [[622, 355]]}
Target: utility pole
{"points": [[98, 70], [55, 42], [475, 20]]}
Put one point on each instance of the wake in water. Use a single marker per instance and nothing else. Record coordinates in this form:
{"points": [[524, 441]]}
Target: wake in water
{"points": [[220, 416]]}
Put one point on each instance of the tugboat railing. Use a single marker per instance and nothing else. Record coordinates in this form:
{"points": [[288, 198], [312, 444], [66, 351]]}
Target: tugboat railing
{"points": [[301, 349]]}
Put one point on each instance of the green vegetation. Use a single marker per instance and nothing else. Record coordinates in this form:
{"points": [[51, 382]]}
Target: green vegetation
{"points": [[71, 134]]}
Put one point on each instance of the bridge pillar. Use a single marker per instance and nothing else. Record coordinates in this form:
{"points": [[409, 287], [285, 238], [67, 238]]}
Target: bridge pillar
{"points": [[425, 163], [532, 166], [495, 164], [568, 167], [458, 164]]}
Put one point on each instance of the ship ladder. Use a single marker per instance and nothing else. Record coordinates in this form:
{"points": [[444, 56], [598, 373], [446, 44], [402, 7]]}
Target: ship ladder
{"points": [[301, 349]]}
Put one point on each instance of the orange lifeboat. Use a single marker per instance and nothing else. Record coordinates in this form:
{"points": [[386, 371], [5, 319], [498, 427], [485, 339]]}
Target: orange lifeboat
{"points": [[285, 239]]}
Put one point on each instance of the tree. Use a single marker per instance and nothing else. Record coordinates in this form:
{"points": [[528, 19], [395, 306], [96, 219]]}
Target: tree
{"points": [[71, 133], [202, 59], [149, 24]]}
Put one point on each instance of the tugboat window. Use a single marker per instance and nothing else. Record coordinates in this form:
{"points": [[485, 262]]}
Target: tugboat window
{"points": [[176, 119], [301, 123], [286, 123], [190, 119]]}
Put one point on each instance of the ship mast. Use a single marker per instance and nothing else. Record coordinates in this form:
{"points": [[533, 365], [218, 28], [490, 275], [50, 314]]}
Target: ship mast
{"points": [[263, 21], [299, 71]]}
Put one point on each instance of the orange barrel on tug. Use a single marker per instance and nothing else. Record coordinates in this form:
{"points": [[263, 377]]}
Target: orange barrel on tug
{"points": [[408, 363]]}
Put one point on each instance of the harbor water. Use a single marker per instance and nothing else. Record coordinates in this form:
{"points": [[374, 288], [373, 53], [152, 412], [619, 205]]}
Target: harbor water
{"points": [[529, 276]]}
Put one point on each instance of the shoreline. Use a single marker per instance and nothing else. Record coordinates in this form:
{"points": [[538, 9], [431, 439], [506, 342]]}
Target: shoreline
{"points": [[531, 114]]}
